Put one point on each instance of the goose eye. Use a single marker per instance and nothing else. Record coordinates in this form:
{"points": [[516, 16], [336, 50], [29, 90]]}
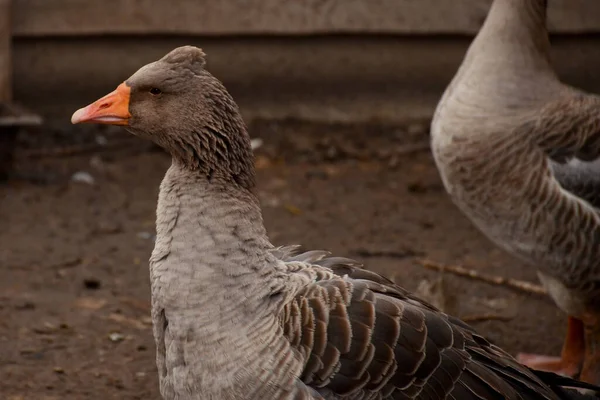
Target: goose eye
{"points": [[155, 91]]}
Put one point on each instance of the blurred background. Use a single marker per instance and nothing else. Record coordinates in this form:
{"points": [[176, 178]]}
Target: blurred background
{"points": [[337, 95]]}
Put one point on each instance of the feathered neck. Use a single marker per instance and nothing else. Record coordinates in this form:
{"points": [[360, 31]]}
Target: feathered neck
{"points": [[214, 276], [515, 32]]}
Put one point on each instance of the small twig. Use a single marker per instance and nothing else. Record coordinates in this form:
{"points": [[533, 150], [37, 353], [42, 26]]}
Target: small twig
{"points": [[68, 263], [485, 317], [411, 148], [362, 252], [523, 286], [138, 304], [121, 319]]}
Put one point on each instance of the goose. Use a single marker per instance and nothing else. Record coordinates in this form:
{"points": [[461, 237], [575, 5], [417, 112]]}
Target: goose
{"points": [[517, 152], [236, 318]]}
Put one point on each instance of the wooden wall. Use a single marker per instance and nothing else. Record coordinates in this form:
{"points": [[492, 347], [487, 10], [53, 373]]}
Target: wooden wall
{"points": [[316, 59], [281, 17]]}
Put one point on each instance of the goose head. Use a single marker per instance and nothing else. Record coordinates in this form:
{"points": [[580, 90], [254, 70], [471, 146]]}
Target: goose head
{"points": [[180, 106]]}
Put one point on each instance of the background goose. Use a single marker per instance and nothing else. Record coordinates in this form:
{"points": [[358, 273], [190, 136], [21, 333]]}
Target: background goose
{"points": [[515, 149], [236, 318]]}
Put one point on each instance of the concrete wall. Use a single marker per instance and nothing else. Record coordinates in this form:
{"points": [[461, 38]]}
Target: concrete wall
{"points": [[318, 59]]}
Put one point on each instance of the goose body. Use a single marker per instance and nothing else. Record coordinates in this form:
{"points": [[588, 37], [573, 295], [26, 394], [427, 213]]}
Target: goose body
{"points": [[236, 318], [516, 150]]}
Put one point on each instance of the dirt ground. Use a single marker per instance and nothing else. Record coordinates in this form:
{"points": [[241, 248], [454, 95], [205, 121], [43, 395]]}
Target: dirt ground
{"points": [[74, 290]]}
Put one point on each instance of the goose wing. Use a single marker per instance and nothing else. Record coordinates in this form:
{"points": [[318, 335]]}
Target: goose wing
{"points": [[363, 337], [568, 130]]}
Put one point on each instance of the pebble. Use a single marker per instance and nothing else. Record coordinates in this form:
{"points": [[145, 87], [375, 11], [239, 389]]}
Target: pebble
{"points": [[116, 337], [256, 143], [83, 177]]}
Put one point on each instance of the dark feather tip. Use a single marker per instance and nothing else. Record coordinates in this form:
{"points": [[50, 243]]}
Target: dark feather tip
{"points": [[557, 381]]}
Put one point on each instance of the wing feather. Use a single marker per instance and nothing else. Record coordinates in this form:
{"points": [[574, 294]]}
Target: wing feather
{"points": [[363, 337]]}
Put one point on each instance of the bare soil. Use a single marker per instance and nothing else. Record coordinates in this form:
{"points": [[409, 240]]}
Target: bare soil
{"points": [[74, 290]]}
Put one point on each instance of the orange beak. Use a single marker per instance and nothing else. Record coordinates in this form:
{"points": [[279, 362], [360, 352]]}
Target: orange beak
{"points": [[112, 109]]}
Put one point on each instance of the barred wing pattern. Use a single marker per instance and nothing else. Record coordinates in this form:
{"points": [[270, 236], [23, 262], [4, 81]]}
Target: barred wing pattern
{"points": [[364, 337]]}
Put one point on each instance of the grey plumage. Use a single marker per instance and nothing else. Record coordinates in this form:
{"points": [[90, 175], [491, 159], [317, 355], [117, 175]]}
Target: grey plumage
{"points": [[236, 318], [514, 145], [517, 151]]}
